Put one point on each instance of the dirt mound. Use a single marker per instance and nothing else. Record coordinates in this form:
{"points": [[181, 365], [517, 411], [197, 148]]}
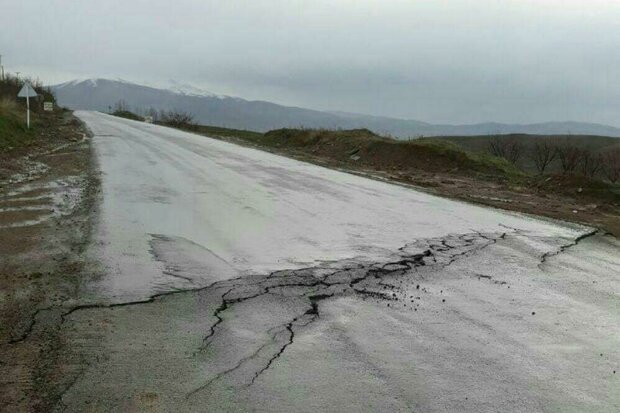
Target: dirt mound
{"points": [[364, 148]]}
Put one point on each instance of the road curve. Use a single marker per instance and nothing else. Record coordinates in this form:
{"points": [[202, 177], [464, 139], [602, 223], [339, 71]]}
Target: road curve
{"points": [[236, 280]]}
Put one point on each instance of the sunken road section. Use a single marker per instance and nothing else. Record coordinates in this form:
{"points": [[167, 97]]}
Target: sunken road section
{"points": [[311, 285]]}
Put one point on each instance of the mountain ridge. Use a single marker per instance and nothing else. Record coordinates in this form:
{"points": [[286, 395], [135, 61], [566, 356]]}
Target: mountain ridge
{"points": [[234, 112]]}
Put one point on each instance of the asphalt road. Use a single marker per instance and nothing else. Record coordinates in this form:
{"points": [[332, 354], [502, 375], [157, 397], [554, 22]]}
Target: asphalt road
{"points": [[236, 280]]}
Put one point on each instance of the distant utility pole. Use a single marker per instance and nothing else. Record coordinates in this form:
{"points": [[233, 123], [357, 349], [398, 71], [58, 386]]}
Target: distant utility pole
{"points": [[1, 69], [17, 73]]}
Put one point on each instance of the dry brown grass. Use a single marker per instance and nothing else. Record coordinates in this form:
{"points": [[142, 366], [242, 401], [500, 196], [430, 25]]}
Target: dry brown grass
{"points": [[8, 106]]}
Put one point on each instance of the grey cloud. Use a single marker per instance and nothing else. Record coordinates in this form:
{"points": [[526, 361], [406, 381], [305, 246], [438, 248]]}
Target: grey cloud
{"points": [[457, 62]]}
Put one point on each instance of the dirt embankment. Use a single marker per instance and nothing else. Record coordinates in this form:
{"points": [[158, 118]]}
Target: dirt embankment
{"points": [[47, 192], [442, 168]]}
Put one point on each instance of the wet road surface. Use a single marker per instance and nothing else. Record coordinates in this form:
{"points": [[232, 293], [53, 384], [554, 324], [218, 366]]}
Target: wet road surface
{"points": [[237, 280], [250, 211]]}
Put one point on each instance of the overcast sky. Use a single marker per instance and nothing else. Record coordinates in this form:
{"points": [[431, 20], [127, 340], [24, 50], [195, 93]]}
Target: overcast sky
{"points": [[454, 61]]}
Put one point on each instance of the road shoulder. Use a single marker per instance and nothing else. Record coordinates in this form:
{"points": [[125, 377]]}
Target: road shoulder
{"points": [[47, 194]]}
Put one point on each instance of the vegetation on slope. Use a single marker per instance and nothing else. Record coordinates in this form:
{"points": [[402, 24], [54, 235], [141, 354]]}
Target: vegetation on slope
{"points": [[593, 157], [123, 110], [13, 130], [365, 148], [127, 115]]}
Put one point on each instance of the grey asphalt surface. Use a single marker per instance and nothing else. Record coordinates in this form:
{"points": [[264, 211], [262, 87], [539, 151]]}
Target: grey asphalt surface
{"points": [[236, 280]]}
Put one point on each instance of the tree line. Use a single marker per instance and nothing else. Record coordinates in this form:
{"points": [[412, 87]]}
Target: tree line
{"points": [[570, 156], [175, 118]]}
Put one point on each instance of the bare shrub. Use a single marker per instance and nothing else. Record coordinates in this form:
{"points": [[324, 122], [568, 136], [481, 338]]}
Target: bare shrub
{"points": [[508, 148], [7, 105], [611, 165], [177, 119], [570, 156], [542, 154], [590, 163]]}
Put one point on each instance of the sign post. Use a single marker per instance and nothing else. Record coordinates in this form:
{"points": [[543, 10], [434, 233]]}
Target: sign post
{"points": [[27, 92]]}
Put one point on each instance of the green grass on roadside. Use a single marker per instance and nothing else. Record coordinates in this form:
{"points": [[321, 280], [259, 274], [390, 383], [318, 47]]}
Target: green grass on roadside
{"points": [[13, 131]]}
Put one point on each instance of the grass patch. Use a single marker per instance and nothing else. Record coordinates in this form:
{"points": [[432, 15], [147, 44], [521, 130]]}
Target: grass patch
{"points": [[13, 131], [127, 115]]}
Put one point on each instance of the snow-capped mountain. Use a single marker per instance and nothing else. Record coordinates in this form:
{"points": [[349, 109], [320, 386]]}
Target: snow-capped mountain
{"points": [[211, 109], [190, 90]]}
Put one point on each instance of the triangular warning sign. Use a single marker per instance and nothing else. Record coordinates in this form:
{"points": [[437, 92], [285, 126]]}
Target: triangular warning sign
{"points": [[27, 91]]}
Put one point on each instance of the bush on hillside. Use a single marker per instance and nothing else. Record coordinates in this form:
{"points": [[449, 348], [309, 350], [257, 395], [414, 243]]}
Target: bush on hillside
{"points": [[177, 119], [11, 85]]}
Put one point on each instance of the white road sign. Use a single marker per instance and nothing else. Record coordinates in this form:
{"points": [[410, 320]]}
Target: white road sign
{"points": [[48, 106], [27, 92]]}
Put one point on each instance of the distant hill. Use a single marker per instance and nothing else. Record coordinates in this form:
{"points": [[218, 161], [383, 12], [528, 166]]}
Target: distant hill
{"points": [[233, 112]]}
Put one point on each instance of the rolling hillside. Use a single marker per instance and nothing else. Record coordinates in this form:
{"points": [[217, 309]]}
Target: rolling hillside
{"points": [[233, 112]]}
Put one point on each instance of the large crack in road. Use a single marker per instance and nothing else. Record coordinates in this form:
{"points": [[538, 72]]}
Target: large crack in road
{"points": [[319, 283], [309, 285], [312, 285], [251, 323]]}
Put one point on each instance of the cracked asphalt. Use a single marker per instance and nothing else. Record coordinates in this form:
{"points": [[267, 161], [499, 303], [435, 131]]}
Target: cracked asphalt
{"points": [[236, 280]]}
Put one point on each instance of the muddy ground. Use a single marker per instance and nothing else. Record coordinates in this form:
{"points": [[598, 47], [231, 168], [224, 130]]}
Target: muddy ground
{"points": [[47, 193]]}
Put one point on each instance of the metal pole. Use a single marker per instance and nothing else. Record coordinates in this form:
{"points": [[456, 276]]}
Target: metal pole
{"points": [[28, 108]]}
